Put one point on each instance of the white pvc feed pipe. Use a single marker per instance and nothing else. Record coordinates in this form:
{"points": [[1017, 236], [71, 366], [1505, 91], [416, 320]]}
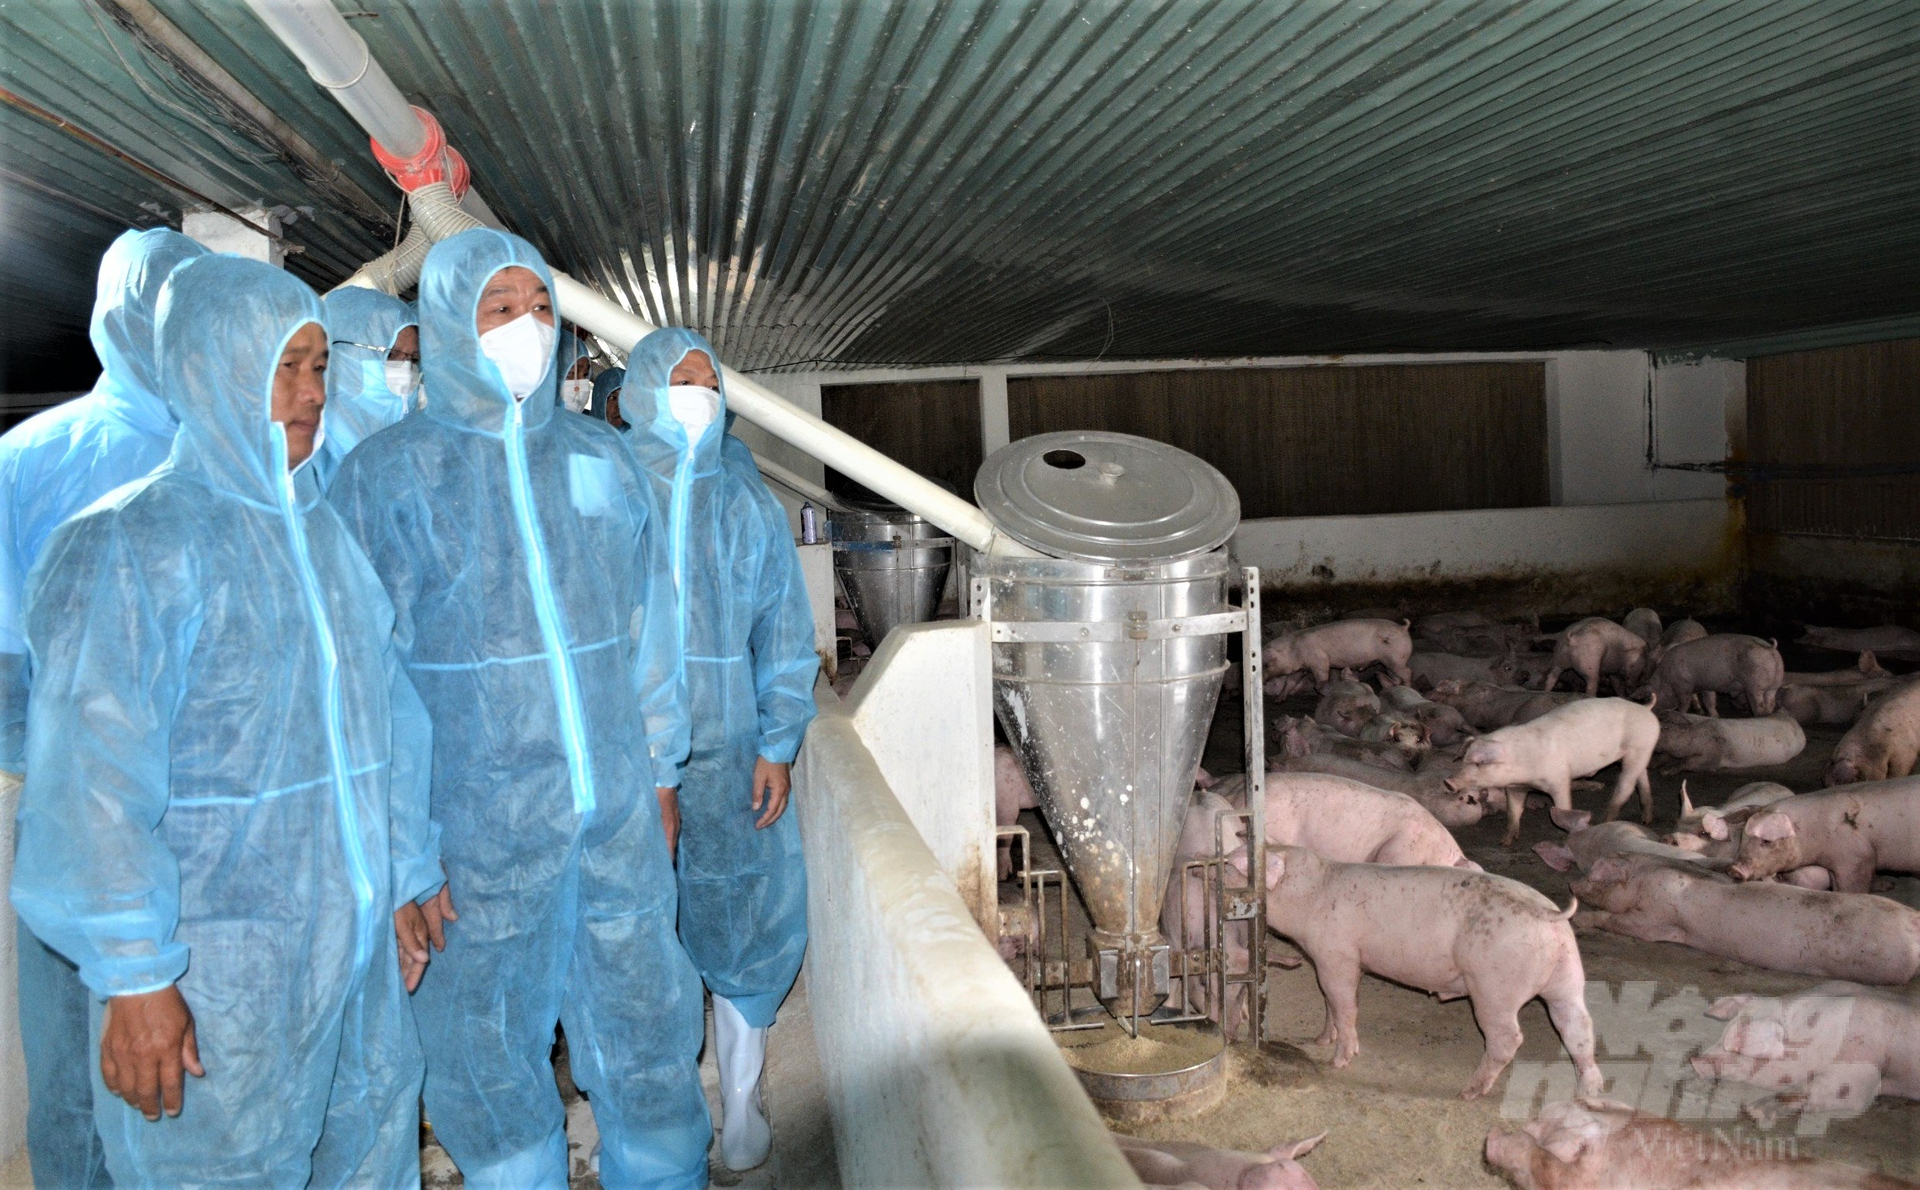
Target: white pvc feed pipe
{"points": [[339, 60]]}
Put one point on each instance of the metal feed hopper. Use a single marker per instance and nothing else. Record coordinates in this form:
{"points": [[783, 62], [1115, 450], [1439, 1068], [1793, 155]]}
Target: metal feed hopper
{"points": [[892, 565], [1108, 661]]}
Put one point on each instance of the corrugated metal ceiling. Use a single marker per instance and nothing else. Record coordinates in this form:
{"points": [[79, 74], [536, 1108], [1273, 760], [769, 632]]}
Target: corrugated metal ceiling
{"points": [[862, 182]]}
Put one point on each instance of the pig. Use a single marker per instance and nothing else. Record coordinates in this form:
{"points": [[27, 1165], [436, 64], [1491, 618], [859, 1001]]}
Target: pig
{"points": [[1444, 930], [1852, 832], [1299, 737], [1445, 725], [1867, 939], [1681, 631], [1831, 706], [1430, 669], [1696, 743], [1867, 667], [1188, 1164], [1287, 685], [1345, 704], [1884, 743], [1349, 821], [1726, 663], [1588, 845], [1183, 912], [1012, 793], [1575, 740], [1888, 640], [1644, 623], [1596, 646], [1401, 730], [1833, 1048], [1597, 1144], [1350, 644], [1713, 822], [1487, 707], [1427, 786]]}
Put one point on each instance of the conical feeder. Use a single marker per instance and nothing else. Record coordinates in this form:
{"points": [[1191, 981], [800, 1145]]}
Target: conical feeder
{"points": [[1108, 661], [892, 566]]}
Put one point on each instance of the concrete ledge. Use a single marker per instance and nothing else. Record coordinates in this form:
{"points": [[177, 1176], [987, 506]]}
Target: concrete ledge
{"points": [[938, 1070], [1672, 554]]}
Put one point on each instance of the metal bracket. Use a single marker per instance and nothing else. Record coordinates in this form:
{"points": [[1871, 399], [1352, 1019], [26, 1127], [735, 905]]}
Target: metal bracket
{"points": [[897, 544], [1055, 632]]}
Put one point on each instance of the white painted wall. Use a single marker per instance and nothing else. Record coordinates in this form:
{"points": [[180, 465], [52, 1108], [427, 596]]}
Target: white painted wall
{"points": [[1614, 513], [938, 1070]]}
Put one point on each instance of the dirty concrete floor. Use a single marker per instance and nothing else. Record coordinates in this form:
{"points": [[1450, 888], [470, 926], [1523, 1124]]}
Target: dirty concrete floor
{"points": [[1393, 1117], [796, 1101]]}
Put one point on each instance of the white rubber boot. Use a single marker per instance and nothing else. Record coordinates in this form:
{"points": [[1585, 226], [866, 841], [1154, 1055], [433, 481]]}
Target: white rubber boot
{"points": [[741, 1052]]}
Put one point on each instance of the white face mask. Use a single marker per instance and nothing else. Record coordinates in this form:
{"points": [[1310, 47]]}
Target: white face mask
{"points": [[694, 406], [522, 350], [576, 394], [402, 376]]}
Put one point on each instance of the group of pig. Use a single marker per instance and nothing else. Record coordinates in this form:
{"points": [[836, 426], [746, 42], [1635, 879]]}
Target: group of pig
{"points": [[1362, 874]]}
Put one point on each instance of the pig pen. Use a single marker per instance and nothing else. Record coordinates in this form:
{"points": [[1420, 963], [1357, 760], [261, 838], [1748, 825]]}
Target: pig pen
{"points": [[1394, 1117]]}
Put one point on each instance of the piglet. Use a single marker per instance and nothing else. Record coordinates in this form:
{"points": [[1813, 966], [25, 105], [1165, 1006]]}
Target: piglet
{"points": [[1701, 744], [1445, 725], [1594, 647], [1831, 706], [1853, 831], [1187, 1164], [1345, 644], [1351, 822], [1486, 707], [1431, 668], [1702, 828], [1426, 786], [1681, 631], [1596, 1144], [1866, 668], [1346, 704], [1575, 740], [1644, 623], [1447, 931], [1833, 1048], [1183, 912], [1864, 938], [1299, 737], [1012, 793], [1587, 845], [1885, 742], [1401, 730], [1727, 663]]}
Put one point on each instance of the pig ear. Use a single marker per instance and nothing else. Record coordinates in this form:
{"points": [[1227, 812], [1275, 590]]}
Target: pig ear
{"points": [[1555, 855], [1686, 803], [1567, 1144], [1762, 1039], [1570, 821], [1770, 828], [1447, 686], [1728, 1007], [1296, 1150]]}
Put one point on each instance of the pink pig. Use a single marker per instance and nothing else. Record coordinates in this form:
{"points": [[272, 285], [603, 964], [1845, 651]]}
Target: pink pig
{"points": [[1187, 1164]]}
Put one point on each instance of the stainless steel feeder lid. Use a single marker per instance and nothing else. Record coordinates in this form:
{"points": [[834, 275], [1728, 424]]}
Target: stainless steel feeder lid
{"points": [[1099, 496]]}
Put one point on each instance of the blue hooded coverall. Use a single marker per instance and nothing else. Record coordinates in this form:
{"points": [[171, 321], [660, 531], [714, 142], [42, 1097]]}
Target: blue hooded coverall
{"points": [[747, 633], [51, 466], [604, 386], [363, 324], [529, 574], [226, 776]]}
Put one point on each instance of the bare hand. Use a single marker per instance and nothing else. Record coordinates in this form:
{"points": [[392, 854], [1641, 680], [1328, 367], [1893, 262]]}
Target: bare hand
{"points": [[410, 930], [438, 910], [771, 785], [146, 1041], [670, 817]]}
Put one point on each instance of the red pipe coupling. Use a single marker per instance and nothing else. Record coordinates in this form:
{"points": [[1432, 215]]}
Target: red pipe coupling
{"points": [[435, 162]]}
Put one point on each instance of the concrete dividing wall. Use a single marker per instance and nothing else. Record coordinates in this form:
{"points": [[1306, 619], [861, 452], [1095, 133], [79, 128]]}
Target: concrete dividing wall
{"points": [[938, 1070], [1676, 555]]}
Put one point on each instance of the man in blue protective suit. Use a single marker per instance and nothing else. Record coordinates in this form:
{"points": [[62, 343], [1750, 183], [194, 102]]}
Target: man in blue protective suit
{"points": [[374, 372], [529, 572], [225, 819], [747, 633], [606, 398], [52, 466]]}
